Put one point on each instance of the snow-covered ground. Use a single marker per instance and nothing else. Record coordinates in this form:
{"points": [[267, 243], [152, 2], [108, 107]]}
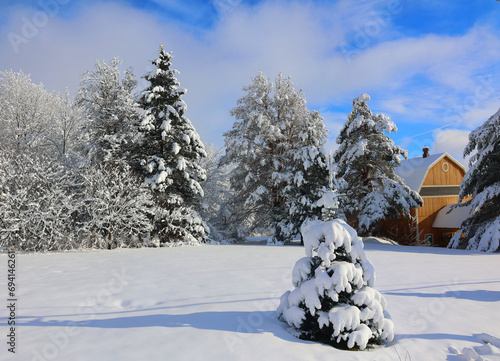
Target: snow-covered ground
{"points": [[218, 303]]}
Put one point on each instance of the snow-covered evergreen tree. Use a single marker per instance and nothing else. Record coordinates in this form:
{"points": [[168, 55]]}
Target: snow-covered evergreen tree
{"points": [[249, 153], [481, 231], [366, 160], [266, 146], [334, 301], [307, 179], [169, 155], [107, 96]]}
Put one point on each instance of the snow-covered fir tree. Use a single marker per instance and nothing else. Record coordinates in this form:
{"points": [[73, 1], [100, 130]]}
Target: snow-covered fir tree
{"points": [[249, 153], [334, 301], [107, 97], [481, 230], [169, 155], [366, 160], [266, 146], [307, 179]]}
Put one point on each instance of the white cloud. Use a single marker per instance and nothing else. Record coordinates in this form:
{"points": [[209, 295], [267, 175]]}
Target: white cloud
{"points": [[63, 49], [411, 79], [453, 142]]}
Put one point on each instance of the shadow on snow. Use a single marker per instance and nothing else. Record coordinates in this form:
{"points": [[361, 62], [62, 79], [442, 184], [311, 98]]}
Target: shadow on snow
{"points": [[477, 295], [241, 322]]}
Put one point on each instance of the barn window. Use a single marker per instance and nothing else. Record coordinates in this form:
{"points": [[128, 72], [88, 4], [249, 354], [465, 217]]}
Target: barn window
{"points": [[445, 167], [429, 238]]}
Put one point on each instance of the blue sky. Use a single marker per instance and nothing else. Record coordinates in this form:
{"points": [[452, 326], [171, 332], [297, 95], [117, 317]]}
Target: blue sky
{"points": [[432, 66]]}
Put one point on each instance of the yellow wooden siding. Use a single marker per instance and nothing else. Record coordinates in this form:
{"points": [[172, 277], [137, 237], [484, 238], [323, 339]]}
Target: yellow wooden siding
{"points": [[437, 176], [427, 215], [440, 174]]}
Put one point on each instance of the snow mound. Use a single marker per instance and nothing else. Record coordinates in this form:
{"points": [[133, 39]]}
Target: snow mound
{"points": [[378, 240], [333, 301], [488, 350]]}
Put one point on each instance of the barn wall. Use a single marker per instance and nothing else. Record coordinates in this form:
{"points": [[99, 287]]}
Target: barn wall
{"points": [[437, 176], [427, 215], [444, 173]]}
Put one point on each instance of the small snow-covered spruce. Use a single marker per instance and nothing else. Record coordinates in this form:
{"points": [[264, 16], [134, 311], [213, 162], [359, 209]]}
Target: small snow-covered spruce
{"points": [[329, 205], [482, 182], [334, 301], [366, 160], [169, 154]]}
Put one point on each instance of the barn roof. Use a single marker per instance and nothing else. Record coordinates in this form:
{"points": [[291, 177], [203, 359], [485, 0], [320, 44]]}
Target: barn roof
{"points": [[414, 170], [451, 216]]}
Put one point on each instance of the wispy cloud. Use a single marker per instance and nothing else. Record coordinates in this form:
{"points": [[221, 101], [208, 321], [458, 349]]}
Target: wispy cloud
{"points": [[452, 141], [416, 78]]}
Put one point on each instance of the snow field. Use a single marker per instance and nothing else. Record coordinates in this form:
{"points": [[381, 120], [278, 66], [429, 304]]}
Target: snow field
{"points": [[219, 303]]}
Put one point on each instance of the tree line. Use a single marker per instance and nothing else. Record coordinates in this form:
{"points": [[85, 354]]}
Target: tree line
{"points": [[115, 168], [107, 169]]}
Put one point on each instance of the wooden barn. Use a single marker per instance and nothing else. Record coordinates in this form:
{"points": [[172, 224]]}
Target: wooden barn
{"points": [[437, 179]]}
